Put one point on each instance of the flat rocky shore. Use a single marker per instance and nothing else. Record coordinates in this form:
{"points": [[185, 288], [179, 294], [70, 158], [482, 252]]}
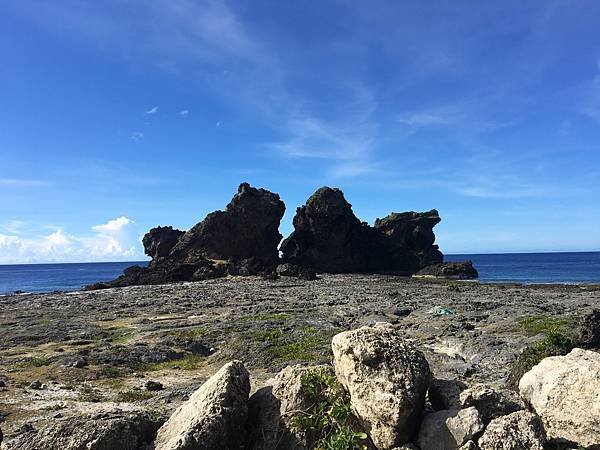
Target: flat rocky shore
{"points": [[151, 346]]}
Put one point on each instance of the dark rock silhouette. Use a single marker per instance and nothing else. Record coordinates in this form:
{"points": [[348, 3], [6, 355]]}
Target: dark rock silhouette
{"points": [[242, 240], [159, 241], [454, 270], [330, 238]]}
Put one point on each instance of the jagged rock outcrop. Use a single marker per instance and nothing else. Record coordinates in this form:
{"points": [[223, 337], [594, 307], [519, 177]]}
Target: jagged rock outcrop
{"points": [[214, 418], [330, 238], [565, 392], [387, 379], [159, 241], [106, 431], [450, 270], [449, 429], [242, 240], [445, 394], [520, 430]]}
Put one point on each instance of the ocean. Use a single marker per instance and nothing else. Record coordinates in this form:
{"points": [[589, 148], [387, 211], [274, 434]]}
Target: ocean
{"points": [[576, 267]]}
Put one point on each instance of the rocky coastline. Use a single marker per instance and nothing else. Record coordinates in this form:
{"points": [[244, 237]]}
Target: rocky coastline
{"points": [[125, 359], [244, 239]]}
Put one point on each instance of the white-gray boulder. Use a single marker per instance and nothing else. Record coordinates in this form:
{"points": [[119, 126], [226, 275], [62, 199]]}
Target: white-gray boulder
{"points": [[491, 402], [565, 392], [214, 418], [133, 430], [387, 379], [520, 430], [449, 429]]}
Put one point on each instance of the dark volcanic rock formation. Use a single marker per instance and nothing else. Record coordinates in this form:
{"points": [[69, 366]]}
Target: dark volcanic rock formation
{"points": [[159, 241], [330, 238], [454, 270], [242, 239]]}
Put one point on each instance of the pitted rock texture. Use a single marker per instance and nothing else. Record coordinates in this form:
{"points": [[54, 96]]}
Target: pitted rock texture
{"points": [[214, 418], [565, 392], [106, 431], [449, 429], [520, 430], [330, 238], [387, 379]]}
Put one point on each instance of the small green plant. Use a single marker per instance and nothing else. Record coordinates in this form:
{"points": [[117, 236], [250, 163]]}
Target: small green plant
{"points": [[328, 420], [546, 324], [32, 362], [189, 362], [559, 339], [189, 333], [133, 396], [89, 394], [266, 335], [310, 345]]}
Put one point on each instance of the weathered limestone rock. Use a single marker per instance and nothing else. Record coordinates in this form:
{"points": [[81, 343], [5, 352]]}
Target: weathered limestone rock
{"points": [[470, 445], [565, 392], [214, 417], [272, 408], [445, 394], [328, 237], [449, 429], [387, 379], [589, 329], [491, 402], [106, 431], [520, 430]]}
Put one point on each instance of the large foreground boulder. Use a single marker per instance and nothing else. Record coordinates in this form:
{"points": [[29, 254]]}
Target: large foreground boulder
{"points": [[106, 431], [520, 430], [214, 417], [387, 379], [565, 392], [330, 238], [242, 240]]}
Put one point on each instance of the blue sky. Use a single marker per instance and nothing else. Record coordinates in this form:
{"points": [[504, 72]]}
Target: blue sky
{"points": [[117, 116]]}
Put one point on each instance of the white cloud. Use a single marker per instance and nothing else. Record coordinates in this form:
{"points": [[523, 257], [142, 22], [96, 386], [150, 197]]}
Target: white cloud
{"points": [[23, 182], [152, 110], [137, 136], [115, 240], [184, 113]]}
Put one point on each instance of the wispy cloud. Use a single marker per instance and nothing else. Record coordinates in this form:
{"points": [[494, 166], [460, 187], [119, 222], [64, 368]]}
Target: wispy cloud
{"points": [[24, 182], [137, 136], [184, 113], [152, 110]]}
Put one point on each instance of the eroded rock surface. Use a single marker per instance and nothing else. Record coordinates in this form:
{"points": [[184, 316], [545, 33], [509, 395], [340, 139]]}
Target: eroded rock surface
{"points": [[451, 270], [214, 418], [491, 402], [106, 431], [449, 429], [387, 379], [330, 238], [520, 430], [565, 392]]}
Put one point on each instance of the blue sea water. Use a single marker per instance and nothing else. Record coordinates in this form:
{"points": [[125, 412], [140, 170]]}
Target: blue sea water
{"points": [[581, 267], [58, 277], [565, 267]]}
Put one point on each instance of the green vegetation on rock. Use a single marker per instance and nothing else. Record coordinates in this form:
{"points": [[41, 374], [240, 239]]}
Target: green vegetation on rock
{"points": [[133, 396], [329, 418]]}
